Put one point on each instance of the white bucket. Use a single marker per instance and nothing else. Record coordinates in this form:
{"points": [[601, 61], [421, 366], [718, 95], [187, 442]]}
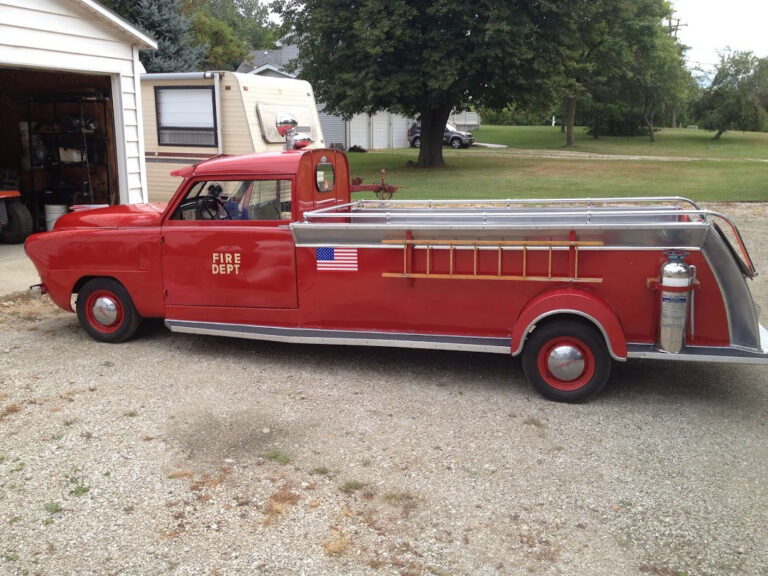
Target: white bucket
{"points": [[52, 213]]}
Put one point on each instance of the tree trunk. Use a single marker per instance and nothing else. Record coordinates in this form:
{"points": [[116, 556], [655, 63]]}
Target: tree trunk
{"points": [[570, 141], [720, 132], [649, 113], [674, 117], [433, 123], [563, 115]]}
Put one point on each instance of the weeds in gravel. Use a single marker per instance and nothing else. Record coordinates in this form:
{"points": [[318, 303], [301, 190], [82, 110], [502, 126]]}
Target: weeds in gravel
{"points": [[337, 544], [405, 500], [47, 521], [8, 410], [53, 507], [320, 471], [352, 486], [80, 489], [278, 502], [277, 455], [182, 473], [14, 519], [19, 467], [2, 458], [535, 422], [11, 557], [130, 414]]}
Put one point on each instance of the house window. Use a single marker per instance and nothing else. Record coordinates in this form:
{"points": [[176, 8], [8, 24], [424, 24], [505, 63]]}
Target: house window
{"points": [[186, 116]]}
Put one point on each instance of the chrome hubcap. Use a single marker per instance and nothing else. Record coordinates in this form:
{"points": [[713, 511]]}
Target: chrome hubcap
{"points": [[105, 311], [565, 363]]}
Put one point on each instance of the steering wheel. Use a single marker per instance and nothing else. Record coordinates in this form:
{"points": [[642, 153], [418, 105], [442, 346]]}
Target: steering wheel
{"points": [[212, 208]]}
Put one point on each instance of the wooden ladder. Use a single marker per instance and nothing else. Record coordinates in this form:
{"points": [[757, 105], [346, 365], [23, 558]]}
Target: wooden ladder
{"points": [[573, 246]]}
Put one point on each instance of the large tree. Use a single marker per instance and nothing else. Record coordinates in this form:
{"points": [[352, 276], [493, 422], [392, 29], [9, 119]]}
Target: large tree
{"points": [[223, 49], [248, 20], [163, 21], [422, 58], [737, 98]]}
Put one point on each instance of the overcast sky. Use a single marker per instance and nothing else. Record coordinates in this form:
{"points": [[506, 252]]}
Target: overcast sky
{"points": [[713, 25]]}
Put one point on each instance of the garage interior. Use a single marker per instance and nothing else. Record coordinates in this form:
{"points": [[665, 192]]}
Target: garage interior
{"points": [[58, 141]]}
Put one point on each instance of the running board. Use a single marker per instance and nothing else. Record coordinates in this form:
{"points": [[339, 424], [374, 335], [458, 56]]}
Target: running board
{"points": [[698, 354], [313, 336]]}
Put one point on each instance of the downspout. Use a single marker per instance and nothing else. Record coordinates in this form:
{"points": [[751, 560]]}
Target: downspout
{"points": [[217, 98]]}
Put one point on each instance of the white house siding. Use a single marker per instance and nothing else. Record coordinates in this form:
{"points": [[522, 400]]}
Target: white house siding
{"points": [[380, 130], [400, 125], [359, 131], [61, 35], [334, 128]]}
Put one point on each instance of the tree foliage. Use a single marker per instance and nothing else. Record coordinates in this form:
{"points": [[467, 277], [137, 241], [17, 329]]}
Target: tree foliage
{"points": [[223, 49], [163, 21], [195, 34], [419, 57], [621, 65], [737, 98], [248, 20]]}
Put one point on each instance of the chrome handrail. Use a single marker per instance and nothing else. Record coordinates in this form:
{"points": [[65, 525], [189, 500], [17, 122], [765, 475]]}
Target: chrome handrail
{"points": [[398, 210]]}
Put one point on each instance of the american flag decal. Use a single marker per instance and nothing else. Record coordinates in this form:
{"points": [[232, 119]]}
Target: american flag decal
{"points": [[336, 259]]}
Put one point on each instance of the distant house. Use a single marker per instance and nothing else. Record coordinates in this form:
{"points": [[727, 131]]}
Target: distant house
{"points": [[373, 132]]}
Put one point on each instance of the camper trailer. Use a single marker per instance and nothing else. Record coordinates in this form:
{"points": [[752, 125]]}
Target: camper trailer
{"points": [[191, 117]]}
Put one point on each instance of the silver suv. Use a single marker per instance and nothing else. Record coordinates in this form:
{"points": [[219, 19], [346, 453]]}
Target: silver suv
{"points": [[451, 137]]}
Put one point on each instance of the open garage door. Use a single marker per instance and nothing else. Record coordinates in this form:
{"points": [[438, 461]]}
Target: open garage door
{"points": [[58, 140]]}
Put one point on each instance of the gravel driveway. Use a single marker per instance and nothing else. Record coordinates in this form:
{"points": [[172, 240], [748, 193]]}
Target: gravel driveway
{"points": [[176, 454]]}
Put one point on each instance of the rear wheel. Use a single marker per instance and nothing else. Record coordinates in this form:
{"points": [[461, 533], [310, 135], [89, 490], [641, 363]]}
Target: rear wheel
{"points": [[19, 224], [106, 311], [566, 360]]}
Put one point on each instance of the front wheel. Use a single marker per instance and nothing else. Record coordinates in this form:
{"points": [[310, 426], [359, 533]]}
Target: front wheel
{"points": [[456, 143], [106, 311], [566, 360]]}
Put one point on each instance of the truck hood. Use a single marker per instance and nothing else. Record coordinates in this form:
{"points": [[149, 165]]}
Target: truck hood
{"points": [[122, 216]]}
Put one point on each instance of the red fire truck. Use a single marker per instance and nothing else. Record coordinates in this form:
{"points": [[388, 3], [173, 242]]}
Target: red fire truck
{"points": [[271, 247]]}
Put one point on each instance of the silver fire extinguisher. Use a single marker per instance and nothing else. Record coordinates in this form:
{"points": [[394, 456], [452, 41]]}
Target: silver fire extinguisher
{"points": [[675, 280]]}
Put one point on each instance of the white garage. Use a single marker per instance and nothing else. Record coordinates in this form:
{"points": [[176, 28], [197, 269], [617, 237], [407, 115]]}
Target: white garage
{"points": [[70, 105]]}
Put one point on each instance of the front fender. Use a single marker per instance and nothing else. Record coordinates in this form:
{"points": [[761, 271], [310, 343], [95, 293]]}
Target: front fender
{"points": [[573, 302]]}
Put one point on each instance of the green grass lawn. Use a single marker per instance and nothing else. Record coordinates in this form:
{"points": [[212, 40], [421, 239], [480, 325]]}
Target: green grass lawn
{"points": [[720, 174], [669, 142]]}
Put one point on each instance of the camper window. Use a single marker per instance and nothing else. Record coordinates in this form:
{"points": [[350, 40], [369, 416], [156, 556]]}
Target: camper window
{"points": [[186, 116]]}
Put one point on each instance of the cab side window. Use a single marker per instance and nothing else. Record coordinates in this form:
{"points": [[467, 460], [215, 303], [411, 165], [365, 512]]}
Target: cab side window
{"points": [[269, 200], [236, 201]]}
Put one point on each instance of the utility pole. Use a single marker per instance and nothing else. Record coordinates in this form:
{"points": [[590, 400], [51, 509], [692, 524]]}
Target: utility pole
{"points": [[673, 28], [674, 25]]}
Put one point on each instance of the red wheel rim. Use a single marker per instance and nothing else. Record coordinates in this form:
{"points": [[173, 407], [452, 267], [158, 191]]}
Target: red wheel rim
{"points": [[567, 385], [90, 305]]}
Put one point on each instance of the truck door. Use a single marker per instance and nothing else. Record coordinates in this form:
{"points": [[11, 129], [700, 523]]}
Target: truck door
{"points": [[227, 244]]}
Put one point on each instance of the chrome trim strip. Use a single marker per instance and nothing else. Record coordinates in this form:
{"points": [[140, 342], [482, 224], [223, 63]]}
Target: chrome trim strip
{"points": [[532, 326], [507, 202], [506, 248], [727, 355], [313, 336]]}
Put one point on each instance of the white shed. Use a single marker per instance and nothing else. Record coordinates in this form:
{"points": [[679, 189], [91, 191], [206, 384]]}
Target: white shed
{"points": [[70, 106]]}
